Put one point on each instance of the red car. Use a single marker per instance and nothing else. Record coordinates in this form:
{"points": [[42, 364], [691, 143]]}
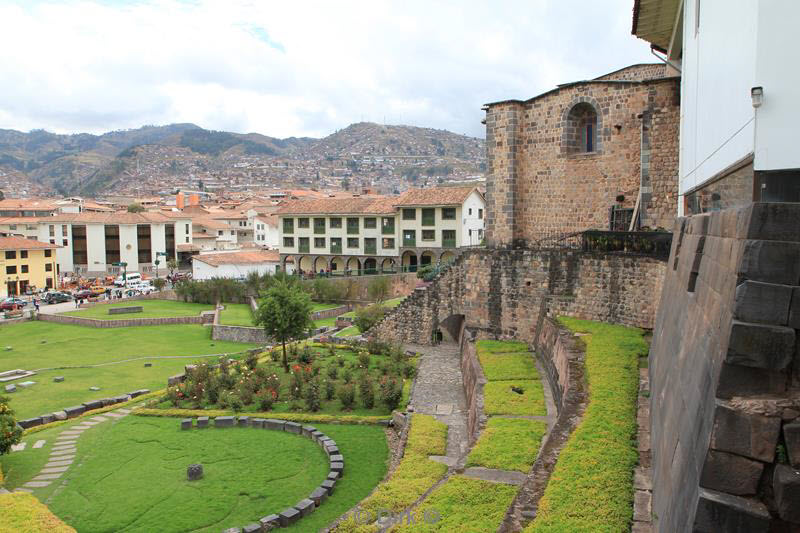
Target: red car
{"points": [[9, 303], [83, 294]]}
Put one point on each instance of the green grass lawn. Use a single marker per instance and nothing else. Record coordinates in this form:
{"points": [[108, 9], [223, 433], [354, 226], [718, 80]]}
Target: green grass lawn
{"points": [[38, 345], [388, 304], [462, 504], [348, 332], [325, 322], [500, 367], [150, 309], [492, 346], [508, 444], [500, 399], [591, 488], [236, 315], [316, 306], [249, 474], [23, 513]]}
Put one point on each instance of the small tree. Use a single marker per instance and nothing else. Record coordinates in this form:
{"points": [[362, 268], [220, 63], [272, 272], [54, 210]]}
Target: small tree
{"points": [[285, 314], [135, 208], [159, 283], [366, 317], [378, 288], [172, 265], [10, 432]]}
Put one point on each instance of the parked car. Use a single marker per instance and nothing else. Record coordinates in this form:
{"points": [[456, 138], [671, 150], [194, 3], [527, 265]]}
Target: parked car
{"points": [[97, 290], [9, 303], [82, 294], [131, 277], [57, 297]]}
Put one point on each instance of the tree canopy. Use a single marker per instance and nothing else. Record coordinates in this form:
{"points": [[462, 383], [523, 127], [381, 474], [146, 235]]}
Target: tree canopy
{"points": [[10, 432], [285, 313], [135, 208]]}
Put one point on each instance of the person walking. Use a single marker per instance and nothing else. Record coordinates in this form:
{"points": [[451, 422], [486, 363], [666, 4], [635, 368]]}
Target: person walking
{"points": [[36, 305]]}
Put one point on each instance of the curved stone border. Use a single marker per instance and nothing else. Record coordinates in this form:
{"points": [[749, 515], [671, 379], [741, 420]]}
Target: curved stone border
{"points": [[205, 317], [78, 410], [305, 506]]}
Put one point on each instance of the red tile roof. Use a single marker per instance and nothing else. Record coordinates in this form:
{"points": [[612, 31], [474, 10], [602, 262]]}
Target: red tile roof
{"points": [[372, 205], [19, 243], [239, 258], [435, 196]]}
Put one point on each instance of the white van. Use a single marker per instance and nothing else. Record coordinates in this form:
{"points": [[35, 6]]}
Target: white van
{"points": [[132, 277]]}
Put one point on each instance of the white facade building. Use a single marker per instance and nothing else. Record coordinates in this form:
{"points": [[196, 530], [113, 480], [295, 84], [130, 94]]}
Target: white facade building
{"points": [[739, 83], [236, 265]]}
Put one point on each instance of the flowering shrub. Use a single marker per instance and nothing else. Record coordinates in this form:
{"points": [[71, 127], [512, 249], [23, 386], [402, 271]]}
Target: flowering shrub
{"points": [[10, 432]]}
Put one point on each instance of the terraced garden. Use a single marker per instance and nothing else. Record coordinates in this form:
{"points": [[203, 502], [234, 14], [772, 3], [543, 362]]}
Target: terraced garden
{"points": [[150, 309]]}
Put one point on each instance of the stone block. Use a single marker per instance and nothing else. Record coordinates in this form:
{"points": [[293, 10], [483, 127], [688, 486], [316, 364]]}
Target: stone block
{"points": [[337, 467], [771, 262], [331, 450], [11, 388], [60, 415], [58, 379], [786, 488], [194, 472], [794, 313], [753, 436], [333, 476], [735, 380], [251, 528], [717, 511], [772, 221], [318, 496], [308, 430], [726, 472], [139, 392], [328, 485], [293, 427], [175, 380], [95, 404], [72, 412], [317, 435], [224, 422], [243, 421], [46, 419], [306, 507], [257, 423], [337, 458], [121, 399], [30, 422], [760, 345], [791, 434], [186, 423], [764, 303], [289, 517], [94, 388], [233, 530], [271, 423], [148, 365], [270, 522], [202, 422]]}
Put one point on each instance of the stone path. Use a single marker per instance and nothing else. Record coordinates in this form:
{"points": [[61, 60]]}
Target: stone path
{"points": [[438, 391], [62, 454]]}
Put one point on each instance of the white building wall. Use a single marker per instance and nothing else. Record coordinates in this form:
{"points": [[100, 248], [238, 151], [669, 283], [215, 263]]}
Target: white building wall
{"points": [[96, 247], [439, 225], [719, 69], [473, 221], [778, 73], [183, 231], [158, 243], [202, 271], [128, 246]]}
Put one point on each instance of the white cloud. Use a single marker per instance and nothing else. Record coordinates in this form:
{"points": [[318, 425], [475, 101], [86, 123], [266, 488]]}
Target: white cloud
{"points": [[295, 68]]}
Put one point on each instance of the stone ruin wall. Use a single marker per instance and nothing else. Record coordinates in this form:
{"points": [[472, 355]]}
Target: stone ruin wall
{"points": [[724, 363], [502, 293]]}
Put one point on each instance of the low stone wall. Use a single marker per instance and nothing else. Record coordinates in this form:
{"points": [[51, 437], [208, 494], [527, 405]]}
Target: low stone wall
{"points": [[555, 348], [166, 294], [317, 497], [205, 318], [473, 381], [330, 313], [358, 286], [77, 410], [221, 332]]}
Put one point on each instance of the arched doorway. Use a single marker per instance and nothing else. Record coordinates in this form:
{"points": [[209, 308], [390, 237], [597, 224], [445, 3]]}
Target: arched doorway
{"points": [[387, 265], [426, 258], [306, 264], [287, 264], [320, 265], [409, 261], [447, 257], [353, 266], [337, 266], [450, 328], [370, 265]]}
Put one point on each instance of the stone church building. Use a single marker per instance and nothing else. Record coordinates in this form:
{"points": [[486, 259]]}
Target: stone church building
{"points": [[594, 154]]}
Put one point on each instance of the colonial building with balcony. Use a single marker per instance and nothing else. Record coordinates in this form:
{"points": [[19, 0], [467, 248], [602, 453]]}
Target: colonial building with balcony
{"points": [[372, 234]]}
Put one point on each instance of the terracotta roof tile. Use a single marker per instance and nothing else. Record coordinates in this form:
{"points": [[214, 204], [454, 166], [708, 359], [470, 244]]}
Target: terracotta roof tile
{"points": [[239, 258], [434, 196], [374, 205], [19, 243]]}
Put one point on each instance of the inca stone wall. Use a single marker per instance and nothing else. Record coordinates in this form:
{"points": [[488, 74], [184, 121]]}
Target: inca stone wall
{"points": [[502, 293], [540, 186], [724, 365]]}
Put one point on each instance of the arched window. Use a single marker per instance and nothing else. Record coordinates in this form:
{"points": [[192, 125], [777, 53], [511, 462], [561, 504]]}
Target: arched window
{"points": [[581, 129]]}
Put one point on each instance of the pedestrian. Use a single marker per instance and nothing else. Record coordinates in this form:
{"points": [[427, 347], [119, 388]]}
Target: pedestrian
{"points": [[36, 305], [77, 303]]}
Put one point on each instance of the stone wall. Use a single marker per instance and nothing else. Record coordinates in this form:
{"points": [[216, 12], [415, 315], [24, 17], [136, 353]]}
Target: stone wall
{"points": [[538, 185], [330, 313], [725, 393], [473, 381], [505, 292], [204, 318], [166, 294], [358, 286], [238, 334], [734, 188]]}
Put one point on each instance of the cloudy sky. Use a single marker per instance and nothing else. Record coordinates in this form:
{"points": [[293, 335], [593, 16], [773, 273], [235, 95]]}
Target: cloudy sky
{"points": [[295, 68]]}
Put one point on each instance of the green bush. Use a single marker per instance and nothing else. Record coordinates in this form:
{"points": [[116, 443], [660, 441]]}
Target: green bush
{"points": [[366, 317], [391, 392], [366, 391], [591, 488], [347, 395], [313, 402], [10, 432]]}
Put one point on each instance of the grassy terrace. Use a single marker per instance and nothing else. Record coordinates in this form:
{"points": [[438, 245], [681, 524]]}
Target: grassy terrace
{"points": [[236, 315], [591, 486], [150, 309], [248, 474], [46, 345], [508, 444], [22, 512]]}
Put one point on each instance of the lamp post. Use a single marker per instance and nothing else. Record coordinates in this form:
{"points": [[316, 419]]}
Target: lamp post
{"points": [[158, 261]]}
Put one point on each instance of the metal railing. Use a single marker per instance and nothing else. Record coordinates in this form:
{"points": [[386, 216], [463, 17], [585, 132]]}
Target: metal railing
{"points": [[651, 243]]}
